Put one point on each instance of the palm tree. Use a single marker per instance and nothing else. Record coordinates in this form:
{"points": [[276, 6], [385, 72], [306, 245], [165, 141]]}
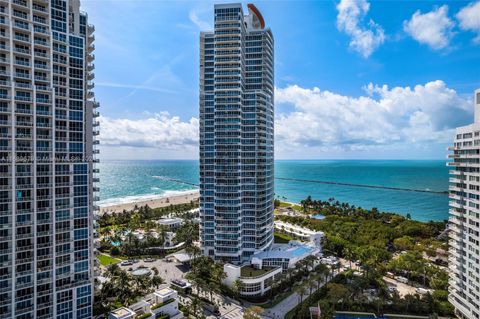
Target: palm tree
{"points": [[311, 285], [237, 287], [301, 291], [192, 250], [156, 281], [318, 278], [217, 273], [253, 312], [196, 302], [310, 260], [349, 255]]}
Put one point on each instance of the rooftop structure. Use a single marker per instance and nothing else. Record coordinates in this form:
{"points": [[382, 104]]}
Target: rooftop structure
{"points": [[299, 232], [256, 282], [163, 302], [122, 313]]}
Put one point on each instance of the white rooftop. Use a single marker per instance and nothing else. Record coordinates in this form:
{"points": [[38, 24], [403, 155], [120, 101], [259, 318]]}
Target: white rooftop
{"points": [[122, 313], [291, 250], [170, 221], [164, 292]]}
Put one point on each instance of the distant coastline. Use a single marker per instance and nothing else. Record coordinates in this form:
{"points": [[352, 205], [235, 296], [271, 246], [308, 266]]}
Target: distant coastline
{"points": [[153, 201], [124, 182]]}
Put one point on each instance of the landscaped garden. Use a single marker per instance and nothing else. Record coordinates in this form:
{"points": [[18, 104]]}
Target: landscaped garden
{"points": [[136, 233], [380, 243], [106, 260]]}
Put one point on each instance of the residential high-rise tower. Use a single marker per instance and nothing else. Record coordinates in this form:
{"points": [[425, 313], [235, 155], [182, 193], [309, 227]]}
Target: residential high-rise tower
{"points": [[464, 226], [236, 134], [47, 150]]}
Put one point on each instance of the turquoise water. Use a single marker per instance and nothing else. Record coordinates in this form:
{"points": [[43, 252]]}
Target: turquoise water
{"points": [[299, 251], [124, 181]]}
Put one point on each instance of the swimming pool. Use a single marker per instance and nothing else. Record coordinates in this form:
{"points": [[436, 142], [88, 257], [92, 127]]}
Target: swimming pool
{"points": [[301, 250], [318, 216]]}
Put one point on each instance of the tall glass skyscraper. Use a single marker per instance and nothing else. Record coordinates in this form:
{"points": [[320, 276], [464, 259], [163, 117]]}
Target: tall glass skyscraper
{"points": [[47, 156], [464, 226], [236, 135]]}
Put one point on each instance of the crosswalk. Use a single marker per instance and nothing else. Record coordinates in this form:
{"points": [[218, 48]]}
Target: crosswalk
{"points": [[236, 313]]}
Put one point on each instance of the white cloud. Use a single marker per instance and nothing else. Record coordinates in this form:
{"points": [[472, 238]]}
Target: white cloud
{"points": [[161, 131], [194, 16], [469, 18], [396, 122], [135, 87], [364, 38], [324, 121], [433, 28]]}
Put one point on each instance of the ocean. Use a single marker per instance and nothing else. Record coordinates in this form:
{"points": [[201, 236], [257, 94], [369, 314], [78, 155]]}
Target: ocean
{"points": [[126, 181]]}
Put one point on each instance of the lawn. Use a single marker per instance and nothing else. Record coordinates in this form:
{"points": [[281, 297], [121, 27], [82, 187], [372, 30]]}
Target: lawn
{"points": [[294, 206], [106, 260], [280, 238]]}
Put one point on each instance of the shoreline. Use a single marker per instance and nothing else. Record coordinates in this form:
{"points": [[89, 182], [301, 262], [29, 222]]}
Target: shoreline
{"points": [[152, 202]]}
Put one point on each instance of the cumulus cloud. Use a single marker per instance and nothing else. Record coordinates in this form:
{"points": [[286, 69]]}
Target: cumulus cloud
{"points": [[321, 124], [384, 117], [161, 131], [365, 37], [469, 19], [433, 28]]}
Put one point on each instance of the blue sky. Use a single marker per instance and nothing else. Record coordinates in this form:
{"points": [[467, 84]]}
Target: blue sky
{"points": [[355, 79]]}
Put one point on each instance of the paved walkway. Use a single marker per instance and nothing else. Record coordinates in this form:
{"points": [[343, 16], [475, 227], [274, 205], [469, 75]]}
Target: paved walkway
{"points": [[280, 310]]}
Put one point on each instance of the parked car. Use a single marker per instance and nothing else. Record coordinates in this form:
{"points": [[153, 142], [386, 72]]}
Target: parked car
{"points": [[126, 263], [422, 291], [402, 279]]}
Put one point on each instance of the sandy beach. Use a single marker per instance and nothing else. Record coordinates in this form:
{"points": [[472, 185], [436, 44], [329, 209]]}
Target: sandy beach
{"points": [[160, 201]]}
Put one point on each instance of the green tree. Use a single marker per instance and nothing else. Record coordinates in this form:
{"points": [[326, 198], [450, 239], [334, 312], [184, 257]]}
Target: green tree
{"points": [[253, 312], [237, 287]]}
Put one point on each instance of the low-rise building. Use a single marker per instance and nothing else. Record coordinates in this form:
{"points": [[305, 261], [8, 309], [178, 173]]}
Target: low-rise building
{"points": [[122, 313], [256, 281], [172, 223], [300, 232], [284, 255], [163, 303], [265, 266]]}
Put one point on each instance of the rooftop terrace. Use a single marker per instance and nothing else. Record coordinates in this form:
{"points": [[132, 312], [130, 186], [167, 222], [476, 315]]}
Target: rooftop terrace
{"points": [[250, 272]]}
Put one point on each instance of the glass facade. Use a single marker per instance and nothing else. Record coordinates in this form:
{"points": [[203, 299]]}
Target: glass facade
{"points": [[464, 220], [236, 135], [47, 158]]}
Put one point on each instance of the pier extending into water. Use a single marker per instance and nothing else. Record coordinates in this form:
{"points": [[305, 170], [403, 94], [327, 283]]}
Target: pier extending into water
{"points": [[331, 183], [363, 185]]}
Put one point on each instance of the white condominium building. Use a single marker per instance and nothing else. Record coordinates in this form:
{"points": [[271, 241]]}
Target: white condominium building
{"points": [[236, 135], [47, 155], [464, 260]]}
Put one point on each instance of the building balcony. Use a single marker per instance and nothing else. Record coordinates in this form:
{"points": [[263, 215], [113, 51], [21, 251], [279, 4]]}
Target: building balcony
{"points": [[40, 29], [41, 78], [43, 88], [39, 9], [21, 51]]}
